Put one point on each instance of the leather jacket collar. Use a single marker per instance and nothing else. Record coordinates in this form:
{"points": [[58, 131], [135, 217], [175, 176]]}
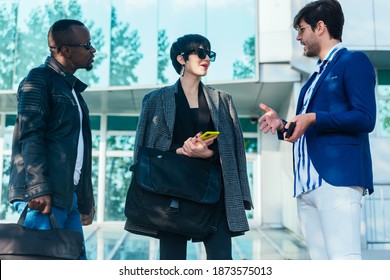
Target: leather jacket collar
{"points": [[70, 79]]}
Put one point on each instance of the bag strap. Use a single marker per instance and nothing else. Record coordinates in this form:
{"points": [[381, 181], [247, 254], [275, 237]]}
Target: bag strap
{"points": [[22, 218]]}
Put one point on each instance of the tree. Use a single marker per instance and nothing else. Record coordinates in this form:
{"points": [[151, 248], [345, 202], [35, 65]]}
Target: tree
{"points": [[163, 57], [246, 69], [32, 49], [7, 43], [124, 56], [117, 177]]}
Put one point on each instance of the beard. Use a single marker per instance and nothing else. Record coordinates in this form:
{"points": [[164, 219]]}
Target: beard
{"points": [[312, 50], [89, 67]]}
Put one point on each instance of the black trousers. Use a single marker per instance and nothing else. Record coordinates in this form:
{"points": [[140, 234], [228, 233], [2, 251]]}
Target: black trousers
{"points": [[218, 245]]}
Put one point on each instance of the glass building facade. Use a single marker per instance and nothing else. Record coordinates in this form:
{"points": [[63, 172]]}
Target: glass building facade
{"points": [[257, 60], [132, 39]]}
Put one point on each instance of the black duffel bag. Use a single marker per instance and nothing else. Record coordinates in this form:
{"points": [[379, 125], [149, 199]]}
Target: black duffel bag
{"points": [[18, 242], [173, 193]]}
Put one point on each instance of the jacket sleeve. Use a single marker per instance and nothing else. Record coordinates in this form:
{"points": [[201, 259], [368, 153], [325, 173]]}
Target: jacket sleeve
{"points": [[141, 127], [240, 155], [32, 120]]}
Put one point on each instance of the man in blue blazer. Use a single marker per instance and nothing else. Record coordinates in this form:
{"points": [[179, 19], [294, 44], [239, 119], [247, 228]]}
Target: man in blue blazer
{"points": [[336, 111]]}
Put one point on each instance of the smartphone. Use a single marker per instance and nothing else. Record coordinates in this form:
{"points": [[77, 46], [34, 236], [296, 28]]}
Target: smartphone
{"points": [[209, 134], [290, 129]]}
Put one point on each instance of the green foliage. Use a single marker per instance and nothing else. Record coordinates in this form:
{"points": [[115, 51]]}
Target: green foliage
{"points": [[163, 56], [384, 114], [7, 43], [5, 206], [32, 47], [124, 52], [246, 69], [117, 181]]}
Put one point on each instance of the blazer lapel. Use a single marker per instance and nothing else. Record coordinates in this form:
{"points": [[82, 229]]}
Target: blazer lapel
{"points": [[325, 73], [303, 92], [320, 79]]}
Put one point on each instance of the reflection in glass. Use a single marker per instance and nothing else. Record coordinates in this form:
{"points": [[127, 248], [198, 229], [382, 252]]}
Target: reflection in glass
{"points": [[250, 145], [5, 207], [384, 90], [245, 68], [95, 141], [95, 176], [8, 19], [134, 248], [384, 116], [34, 20], [163, 56], [120, 143], [125, 54], [132, 38], [117, 182]]}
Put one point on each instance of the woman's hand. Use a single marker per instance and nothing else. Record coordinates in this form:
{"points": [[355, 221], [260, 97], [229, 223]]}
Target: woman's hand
{"points": [[196, 147]]}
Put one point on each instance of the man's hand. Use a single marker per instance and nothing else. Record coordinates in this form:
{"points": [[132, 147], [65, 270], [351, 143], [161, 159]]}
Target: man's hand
{"points": [[302, 124], [270, 120], [87, 219], [41, 203]]}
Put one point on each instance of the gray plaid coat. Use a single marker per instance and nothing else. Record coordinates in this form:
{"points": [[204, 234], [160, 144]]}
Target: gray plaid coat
{"points": [[155, 130]]}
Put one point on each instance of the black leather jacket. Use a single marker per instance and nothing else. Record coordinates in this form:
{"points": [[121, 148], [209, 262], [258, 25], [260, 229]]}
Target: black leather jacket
{"points": [[45, 139]]}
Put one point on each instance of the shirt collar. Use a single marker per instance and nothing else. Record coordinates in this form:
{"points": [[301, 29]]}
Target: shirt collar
{"points": [[321, 64]]}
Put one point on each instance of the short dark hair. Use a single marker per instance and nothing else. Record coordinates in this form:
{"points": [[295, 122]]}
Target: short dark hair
{"points": [[329, 11], [61, 32], [187, 43]]}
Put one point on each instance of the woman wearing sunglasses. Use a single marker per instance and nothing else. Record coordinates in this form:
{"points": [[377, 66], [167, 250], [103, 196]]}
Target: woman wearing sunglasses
{"points": [[174, 118]]}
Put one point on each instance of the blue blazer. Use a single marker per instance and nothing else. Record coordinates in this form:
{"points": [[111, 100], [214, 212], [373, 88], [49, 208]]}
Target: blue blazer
{"points": [[344, 102]]}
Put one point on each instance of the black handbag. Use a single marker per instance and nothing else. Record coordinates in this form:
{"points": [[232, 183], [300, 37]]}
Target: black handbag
{"points": [[20, 243], [173, 193]]}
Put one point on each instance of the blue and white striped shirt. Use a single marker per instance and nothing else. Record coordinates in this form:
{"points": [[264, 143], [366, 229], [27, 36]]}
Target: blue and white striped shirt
{"points": [[306, 177]]}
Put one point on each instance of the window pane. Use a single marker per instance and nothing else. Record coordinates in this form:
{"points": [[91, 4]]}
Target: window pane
{"points": [[384, 90], [117, 182], [95, 175], [134, 248], [95, 141], [384, 117], [8, 22], [5, 207], [250, 145], [126, 123], [9, 125], [120, 143], [236, 49]]}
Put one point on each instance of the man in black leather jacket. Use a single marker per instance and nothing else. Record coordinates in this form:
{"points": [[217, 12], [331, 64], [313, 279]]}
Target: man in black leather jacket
{"points": [[52, 143]]}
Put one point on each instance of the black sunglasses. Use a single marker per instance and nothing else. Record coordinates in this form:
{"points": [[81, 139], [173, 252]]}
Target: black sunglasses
{"points": [[87, 45], [202, 53]]}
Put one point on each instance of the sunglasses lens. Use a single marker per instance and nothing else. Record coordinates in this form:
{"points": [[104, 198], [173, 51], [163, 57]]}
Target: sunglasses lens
{"points": [[201, 53], [212, 56], [88, 45]]}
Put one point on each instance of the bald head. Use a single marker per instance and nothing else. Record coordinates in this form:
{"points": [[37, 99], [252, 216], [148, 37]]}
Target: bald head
{"points": [[70, 44], [62, 32]]}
